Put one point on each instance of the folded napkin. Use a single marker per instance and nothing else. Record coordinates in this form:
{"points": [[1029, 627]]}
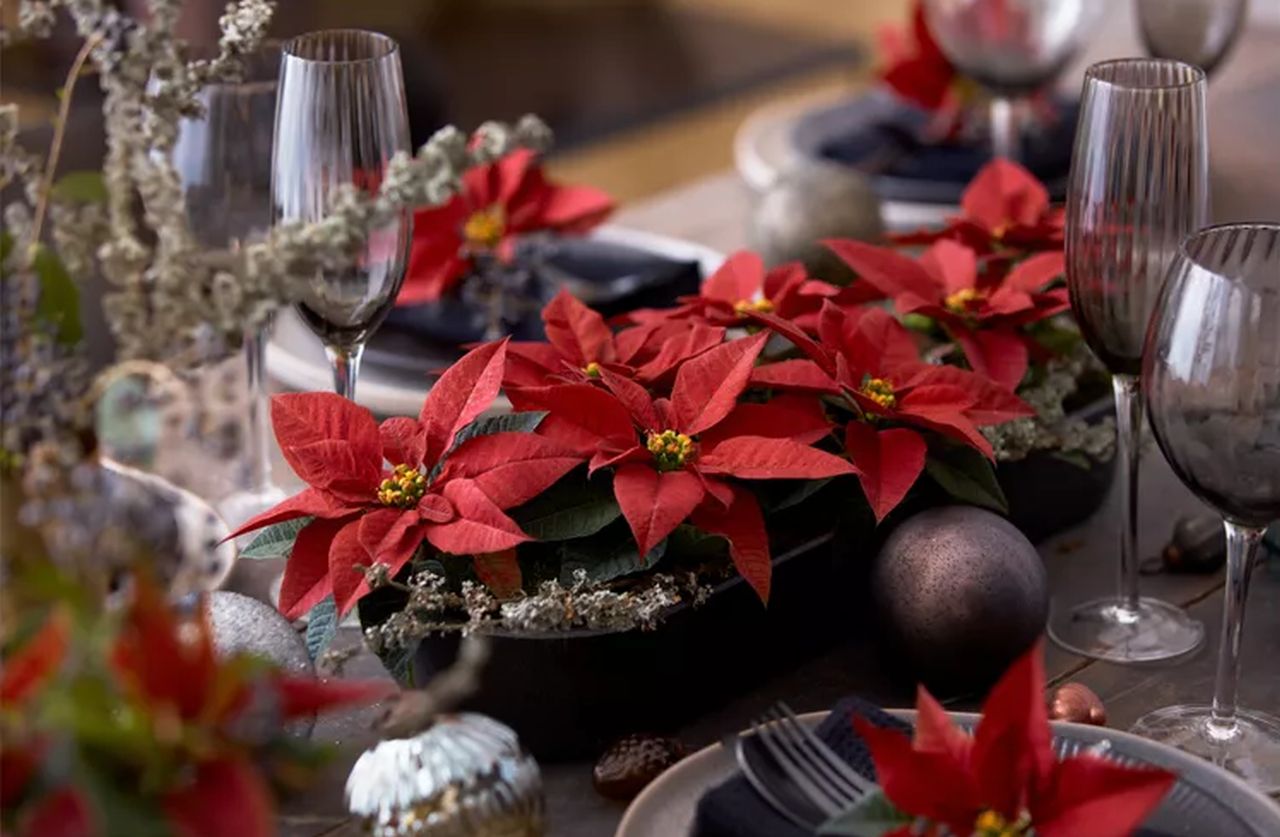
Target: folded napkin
{"points": [[734, 809]]}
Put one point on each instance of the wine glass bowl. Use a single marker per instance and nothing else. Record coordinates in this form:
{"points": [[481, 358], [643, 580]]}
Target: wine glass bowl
{"points": [[341, 117], [1199, 32], [1212, 379]]}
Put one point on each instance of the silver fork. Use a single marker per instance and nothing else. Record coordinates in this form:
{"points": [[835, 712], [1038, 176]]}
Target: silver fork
{"points": [[820, 775]]}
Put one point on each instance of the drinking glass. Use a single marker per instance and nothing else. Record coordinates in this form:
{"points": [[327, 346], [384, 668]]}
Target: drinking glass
{"points": [[340, 118], [1010, 47], [1138, 186], [224, 162], [1199, 32], [1211, 375]]}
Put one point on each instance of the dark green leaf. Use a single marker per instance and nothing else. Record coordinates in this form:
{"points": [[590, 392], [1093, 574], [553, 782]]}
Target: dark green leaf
{"points": [[81, 187], [526, 422], [871, 816], [373, 610], [918, 322], [275, 541], [322, 624], [688, 542], [1074, 457], [574, 507], [967, 476], [793, 493], [59, 304], [122, 810], [610, 556]]}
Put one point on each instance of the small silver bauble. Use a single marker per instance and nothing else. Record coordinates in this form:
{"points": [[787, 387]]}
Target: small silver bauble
{"points": [[242, 624], [464, 776], [809, 202]]}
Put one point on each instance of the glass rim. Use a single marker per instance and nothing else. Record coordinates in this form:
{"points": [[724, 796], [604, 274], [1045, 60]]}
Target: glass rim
{"points": [[387, 47], [1184, 247], [1092, 74]]}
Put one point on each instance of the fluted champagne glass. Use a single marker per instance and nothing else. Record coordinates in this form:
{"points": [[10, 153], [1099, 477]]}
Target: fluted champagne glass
{"points": [[1211, 375], [340, 118], [1138, 186], [224, 160]]}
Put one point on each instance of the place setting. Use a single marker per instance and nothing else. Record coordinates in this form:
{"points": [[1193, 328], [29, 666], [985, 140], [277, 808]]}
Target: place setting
{"points": [[354, 485]]}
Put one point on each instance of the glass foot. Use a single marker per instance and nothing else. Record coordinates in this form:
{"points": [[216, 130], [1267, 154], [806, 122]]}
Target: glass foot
{"points": [[1108, 629], [1250, 749], [239, 507]]}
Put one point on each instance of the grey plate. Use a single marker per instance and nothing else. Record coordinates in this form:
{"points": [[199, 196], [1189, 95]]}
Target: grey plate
{"points": [[1205, 801]]}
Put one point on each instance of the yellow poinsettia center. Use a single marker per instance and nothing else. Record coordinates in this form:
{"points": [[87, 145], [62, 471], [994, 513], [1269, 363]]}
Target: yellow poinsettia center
{"points": [[485, 228], [993, 824], [591, 370], [670, 449], [958, 302], [1001, 231], [758, 306], [404, 488], [880, 391]]}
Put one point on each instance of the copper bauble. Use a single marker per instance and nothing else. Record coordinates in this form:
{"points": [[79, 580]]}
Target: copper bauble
{"points": [[1077, 703]]}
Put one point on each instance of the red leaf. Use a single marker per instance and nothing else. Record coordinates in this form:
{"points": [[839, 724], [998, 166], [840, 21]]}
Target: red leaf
{"points": [[345, 553], [928, 784], [762, 458], [798, 338], [577, 332], [529, 364], [894, 274], [740, 277], [582, 417], [1004, 193], [953, 266], [797, 375], [306, 573], [311, 502], [511, 468], [386, 536], [655, 503], [992, 403], [935, 733], [785, 417], [742, 524], [998, 354], [941, 408], [480, 526], [404, 441], [880, 345], [228, 796], [634, 397], [306, 697], [462, 393], [708, 386], [26, 670], [329, 442], [500, 572], [63, 813], [1034, 272], [692, 340], [575, 209], [890, 462], [1012, 746], [1100, 798]]}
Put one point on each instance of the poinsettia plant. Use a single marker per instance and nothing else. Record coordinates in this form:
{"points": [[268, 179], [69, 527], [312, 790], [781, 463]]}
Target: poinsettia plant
{"points": [[1003, 779]]}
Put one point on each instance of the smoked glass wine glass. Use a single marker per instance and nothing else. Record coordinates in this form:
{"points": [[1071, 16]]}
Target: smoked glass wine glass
{"points": [[1199, 32], [340, 118], [1138, 186], [224, 161], [1211, 375]]}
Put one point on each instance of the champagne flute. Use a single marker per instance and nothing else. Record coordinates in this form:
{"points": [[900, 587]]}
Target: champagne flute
{"points": [[224, 161], [1138, 186], [1010, 47], [340, 118], [1199, 32], [1211, 374]]}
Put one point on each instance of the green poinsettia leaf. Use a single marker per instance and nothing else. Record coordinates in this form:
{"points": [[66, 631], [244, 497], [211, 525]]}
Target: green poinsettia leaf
{"points": [[59, 303], [872, 816], [1074, 457], [785, 494], [690, 542], [322, 626], [610, 555], [275, 541], [525, 422], [81, 187], [967, 476], [574, 507], [376, 608]]}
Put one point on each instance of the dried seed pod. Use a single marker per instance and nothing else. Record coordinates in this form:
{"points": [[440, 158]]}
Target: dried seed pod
{"points": [[633, 762]]}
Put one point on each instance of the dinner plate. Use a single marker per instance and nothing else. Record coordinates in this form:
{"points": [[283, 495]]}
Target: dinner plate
{"points": [[1206, 800], [296, 359]]}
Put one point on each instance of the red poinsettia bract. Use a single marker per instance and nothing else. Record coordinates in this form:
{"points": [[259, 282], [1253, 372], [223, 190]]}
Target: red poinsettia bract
{"points": [[1004, 208], [673, 458], [984, 313], [916, 68], [366, 514], [1005, 778], [580, 342], [498, 203], [871, 359]]}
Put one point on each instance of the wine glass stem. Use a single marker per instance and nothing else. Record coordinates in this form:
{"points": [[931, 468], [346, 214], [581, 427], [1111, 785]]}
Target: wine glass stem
{"points": [[1005, 131], [255, 351], [1128, 453], [346, 368], [1242, 550]]}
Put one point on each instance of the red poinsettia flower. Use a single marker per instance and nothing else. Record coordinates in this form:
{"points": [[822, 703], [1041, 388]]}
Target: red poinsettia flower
{"points": [[871, 359], [498, 203], [673, 458], [365, 513], [741, 286], [580, 343], [1004, 208], [983, 314], [1005, 778], [24, 674], [916, 68]]}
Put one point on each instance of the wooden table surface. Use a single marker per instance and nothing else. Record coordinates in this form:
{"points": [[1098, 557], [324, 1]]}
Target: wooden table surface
{"points": [[1245, 110]]}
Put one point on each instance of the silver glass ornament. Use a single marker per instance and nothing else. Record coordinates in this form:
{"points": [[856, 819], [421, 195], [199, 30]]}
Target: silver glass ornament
{"points": [[242, 624], [464, 776]]}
